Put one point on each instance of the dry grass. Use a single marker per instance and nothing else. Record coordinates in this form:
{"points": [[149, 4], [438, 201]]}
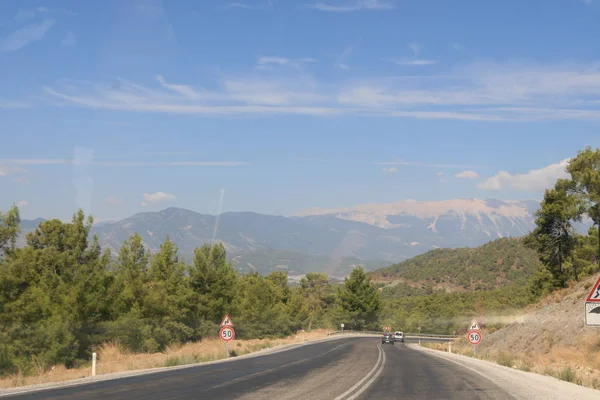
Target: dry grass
{"points": [[112, 358], [580, 365]]}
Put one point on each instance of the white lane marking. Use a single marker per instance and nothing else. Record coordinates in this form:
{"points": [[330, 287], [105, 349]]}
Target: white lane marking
{"points": [[371, 372], [370, 382]]}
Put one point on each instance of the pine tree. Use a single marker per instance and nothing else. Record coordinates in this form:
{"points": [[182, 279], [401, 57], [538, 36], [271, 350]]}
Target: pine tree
{"points": [[358, 301], [213, 281], [9, 230]]}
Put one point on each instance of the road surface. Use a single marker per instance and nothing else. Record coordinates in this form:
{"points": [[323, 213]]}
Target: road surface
{"points": [[343, 369]]}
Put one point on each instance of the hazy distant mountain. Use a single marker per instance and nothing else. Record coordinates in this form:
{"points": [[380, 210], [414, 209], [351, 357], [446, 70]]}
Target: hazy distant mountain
{"points": [[329, 240]]}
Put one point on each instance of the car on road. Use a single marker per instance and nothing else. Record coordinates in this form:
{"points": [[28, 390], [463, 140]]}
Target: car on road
{"points": [[387, 338], [399, 337]]}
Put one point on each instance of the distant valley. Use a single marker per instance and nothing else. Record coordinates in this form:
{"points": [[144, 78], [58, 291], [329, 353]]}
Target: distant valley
{"points": [[326, 240]]}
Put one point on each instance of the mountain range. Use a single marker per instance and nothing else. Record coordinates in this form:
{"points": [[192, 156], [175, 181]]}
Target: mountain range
{"points": [[327, 240]]}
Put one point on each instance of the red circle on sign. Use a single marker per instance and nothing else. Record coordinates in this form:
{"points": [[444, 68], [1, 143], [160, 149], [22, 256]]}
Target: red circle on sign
{"points": [[474, 337], [227, 333]]}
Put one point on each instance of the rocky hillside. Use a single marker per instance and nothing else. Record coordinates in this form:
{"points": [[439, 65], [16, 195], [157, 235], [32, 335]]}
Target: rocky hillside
{"points": [[468, 221], [498, 263], [548, 337]]}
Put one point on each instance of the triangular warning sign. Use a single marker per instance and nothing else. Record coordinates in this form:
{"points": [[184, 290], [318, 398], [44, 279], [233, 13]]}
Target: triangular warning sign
{"points": [[474, 326], [226, 321], [594, 296]]}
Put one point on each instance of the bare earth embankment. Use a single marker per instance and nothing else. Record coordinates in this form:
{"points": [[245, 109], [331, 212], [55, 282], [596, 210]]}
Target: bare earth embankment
{"points": [[111, 358], [549, 338]]}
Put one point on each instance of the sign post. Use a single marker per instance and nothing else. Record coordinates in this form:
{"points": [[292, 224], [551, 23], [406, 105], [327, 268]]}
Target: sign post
{"points": [[226, 333], [474, 335], [342, 325], [592, 306]]}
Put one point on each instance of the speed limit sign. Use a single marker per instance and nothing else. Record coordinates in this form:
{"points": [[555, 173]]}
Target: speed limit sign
{"points": [[227, 333], [474, 337]]}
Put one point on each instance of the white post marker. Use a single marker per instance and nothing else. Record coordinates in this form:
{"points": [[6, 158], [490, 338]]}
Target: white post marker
{"points": [[592, 306], [342, 325], [94, 364]]}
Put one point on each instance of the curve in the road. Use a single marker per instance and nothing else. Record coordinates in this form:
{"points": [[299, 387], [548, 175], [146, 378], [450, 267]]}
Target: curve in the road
{"points": [[344, 369]]}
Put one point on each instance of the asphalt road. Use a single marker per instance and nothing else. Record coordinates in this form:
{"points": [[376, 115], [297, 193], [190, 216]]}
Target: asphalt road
{"points": [[344, 369]]}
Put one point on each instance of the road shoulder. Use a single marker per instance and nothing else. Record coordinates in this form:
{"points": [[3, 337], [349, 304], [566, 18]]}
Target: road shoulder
{"points": [[520, 384]]}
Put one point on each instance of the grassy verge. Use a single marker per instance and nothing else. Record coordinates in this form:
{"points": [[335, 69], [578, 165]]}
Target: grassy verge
{"points": [[579, 365], [112, 358]]}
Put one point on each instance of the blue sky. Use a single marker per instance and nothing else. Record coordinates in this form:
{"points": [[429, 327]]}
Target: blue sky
{"points": [[123, 106]]}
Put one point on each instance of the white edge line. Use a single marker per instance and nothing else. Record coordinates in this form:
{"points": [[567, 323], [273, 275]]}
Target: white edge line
{"points": [[370, 382], [16, 391], [347, 392]]}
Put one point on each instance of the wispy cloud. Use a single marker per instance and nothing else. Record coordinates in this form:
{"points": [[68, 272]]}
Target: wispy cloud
{"points": [[30, 13], [351, 5], [22, 203], [12, 104], [343, 59], [536, 180], [310, 159], [18, 173], [269, 62], [70, 161], [261, 5], [390, 169], [416, 61], [26, 35], [69, 40], [34, 161], [155, 198], [482, 91], [468, 174], [421, 164]]}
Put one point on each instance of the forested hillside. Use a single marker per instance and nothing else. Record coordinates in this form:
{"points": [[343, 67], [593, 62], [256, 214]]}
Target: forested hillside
{"points": [[499, 263], [62, 295]]}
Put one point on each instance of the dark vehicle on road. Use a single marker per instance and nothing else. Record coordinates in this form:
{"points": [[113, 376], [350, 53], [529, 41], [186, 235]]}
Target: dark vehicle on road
{"points": [[387, 338]]}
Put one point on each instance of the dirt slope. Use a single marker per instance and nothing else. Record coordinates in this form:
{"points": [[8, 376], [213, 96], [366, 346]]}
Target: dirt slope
{"points": [[550, 337]]}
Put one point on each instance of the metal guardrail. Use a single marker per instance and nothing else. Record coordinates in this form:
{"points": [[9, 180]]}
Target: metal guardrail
{"points": [[406, 335]]}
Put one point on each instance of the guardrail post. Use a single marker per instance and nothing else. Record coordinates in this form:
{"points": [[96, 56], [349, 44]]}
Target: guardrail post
{"points": [[94, 364], [450, 347]]}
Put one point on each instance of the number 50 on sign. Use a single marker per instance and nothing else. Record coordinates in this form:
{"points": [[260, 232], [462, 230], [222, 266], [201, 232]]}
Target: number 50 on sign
{"points": [[227, 333], [474, 337]]}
